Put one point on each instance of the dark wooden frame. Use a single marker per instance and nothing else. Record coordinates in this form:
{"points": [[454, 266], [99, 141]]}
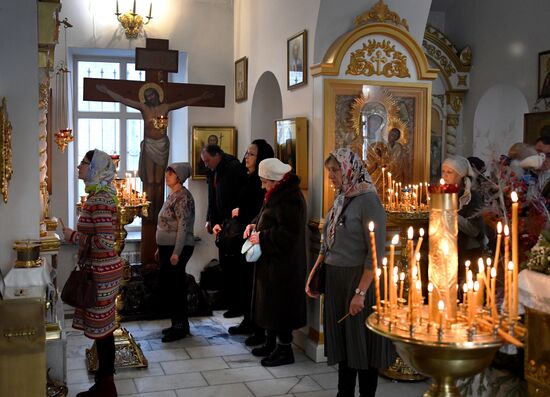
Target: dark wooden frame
{"points": [[301, 36], [544, 70], [241, 95], [532, 125]]}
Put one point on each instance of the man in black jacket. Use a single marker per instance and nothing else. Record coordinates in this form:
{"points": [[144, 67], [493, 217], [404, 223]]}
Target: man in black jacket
{"points": [[225, 177]]}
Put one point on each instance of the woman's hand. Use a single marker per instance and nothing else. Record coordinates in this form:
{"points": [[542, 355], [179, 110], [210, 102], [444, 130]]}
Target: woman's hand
{"points": [[314, 269], [235, 213], [249, 229], [356, 305], [255, 238], [216, 229], [67, 233], [174, 259]]}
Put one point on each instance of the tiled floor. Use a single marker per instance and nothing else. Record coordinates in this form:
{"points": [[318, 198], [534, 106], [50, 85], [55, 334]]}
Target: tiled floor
{"points": [[213, 363]]}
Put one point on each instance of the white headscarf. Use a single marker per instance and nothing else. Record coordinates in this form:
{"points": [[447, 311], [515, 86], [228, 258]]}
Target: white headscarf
{"points": [[462, 167], [102, 171]]}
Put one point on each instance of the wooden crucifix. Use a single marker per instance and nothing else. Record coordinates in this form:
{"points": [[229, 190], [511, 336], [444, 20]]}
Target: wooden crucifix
{"points": [[154, 98]]}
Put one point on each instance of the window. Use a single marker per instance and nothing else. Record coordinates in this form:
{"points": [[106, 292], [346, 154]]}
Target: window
{"points": [[108, 126]]}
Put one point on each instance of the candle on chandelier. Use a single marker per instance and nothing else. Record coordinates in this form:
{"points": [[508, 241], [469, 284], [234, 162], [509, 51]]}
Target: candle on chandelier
{"points": [[375, 265], [505, 264], [394, 241], [441, 308], [393, 290], [497, 249], [419, 299], [471, 303], [488, 278], [419, 242], [480, 280], [401, 283], [515, 207], [430, 302], [467, 267], [476, 293], [493, 301], [386, 283], [510, 292], [383, 184], [410, 234]]}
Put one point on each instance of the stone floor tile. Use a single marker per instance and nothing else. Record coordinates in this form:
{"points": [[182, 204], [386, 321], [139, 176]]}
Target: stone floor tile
{"points": [[169, 382], [232, 390], [236, 375], [216, 350], [188, 341], [164, 393], [300, 368], [155, 356], [242, 360], [281, 386], [193, 365], [326, 381], [153, 369]]}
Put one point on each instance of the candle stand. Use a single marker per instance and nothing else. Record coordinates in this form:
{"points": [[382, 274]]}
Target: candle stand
{"points": [[128, 353]]}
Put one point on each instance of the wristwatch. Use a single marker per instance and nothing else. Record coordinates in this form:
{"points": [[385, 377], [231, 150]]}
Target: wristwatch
{"points": [[361, 292]]}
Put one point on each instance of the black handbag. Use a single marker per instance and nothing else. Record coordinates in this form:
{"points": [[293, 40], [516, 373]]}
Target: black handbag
{"points": [[317, 282], [80, 290], [230, 238]]}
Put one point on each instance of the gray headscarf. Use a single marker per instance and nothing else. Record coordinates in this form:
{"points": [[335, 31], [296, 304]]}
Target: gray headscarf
{"points": [[182, 170]]}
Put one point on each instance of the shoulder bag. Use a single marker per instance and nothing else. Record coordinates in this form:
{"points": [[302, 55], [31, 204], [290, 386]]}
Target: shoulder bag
{"points": [[80, 290]]}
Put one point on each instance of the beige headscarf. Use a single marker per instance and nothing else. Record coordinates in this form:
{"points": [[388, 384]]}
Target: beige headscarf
{"points": [[462, 167]]}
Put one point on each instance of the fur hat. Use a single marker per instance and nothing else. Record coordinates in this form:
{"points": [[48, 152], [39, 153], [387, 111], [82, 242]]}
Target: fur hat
{"points": [[182, 170], [273, 169]]}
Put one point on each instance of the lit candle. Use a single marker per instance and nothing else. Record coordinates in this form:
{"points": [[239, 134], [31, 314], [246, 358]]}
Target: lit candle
{"points": [[480, 280], [394, 241], [442, 181], [393, 290], [515, 206], [430, 302], [386, 283], [377, 287], [441, 308], [505, 264], [410, 233], [383, 184], [375, 265], [467, 267], [419, 299], [497, 250], [419, 242], [476, 293], [493, 305], [510, 294], [471, 302], [488, 278], [401, 283]]}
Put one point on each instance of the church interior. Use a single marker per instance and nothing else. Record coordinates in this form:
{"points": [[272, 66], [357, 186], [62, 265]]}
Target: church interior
{"points": [[405, 84]]}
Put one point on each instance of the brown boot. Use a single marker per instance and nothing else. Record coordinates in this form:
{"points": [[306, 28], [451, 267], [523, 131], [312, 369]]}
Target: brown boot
{"points": [[103, 387]]}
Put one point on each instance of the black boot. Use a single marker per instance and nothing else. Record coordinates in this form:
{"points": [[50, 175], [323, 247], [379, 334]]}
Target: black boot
{"points": [[282, 355], [176, 332], [346, 380], [244, 328], [255, 340], [267, 348], [103, 387], [368, 382]]}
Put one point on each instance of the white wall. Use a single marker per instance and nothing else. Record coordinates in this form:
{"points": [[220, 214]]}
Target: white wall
{"points": [[506, 37], [201, 28], [20, 217]]}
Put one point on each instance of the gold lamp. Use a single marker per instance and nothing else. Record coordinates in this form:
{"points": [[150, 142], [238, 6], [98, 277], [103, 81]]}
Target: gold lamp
{"points": [[131, 22], [64, 134]]}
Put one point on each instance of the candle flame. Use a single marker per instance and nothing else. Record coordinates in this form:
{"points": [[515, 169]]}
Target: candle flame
{"points": [[480, 267], [421, 232], [384, 261], [476, 286], [510, 265], [418, 256], [430, 288], [410, 233], [465, 287], [441, 305], [418, 285], [395, 239], [378, 272], [415, 271], [442, 181], [402, 276], [470, 284], [469, 276], [499, 227], [467, 263], [488, 262], [395, 271], [371, 226], [506, 230], [493, 272], [514, 196]]}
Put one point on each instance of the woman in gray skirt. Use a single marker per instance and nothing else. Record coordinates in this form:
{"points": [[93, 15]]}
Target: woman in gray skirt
{"points": [[346, 252]]}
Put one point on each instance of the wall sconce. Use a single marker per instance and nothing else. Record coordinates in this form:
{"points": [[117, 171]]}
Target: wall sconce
{"points": [[131, 22], [63, 138]]}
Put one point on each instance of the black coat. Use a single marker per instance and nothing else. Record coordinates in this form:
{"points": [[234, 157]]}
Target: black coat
{"points": [[280, 301], [224, 185]]}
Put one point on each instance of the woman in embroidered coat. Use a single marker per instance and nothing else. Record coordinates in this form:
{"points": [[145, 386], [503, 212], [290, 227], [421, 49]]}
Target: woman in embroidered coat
{"points": [[95, 238]]}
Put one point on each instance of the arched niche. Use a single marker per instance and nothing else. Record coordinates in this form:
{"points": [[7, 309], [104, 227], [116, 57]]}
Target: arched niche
{"points": [[380, 54], [449, 88], [267, 106]]}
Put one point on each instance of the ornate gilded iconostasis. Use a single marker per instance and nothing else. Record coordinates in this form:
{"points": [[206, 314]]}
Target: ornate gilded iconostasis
{"points": [[373, 79]]}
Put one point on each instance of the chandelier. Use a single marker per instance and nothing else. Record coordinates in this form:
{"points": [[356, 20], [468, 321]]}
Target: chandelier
{"points": [[131, 22]]}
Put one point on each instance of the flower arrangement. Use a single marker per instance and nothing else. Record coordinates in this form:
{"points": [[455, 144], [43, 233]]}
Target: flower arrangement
{"points": [[539, 257]]}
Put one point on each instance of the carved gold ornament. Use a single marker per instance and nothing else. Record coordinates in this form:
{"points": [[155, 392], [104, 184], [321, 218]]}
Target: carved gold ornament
{"points": [[6, 165], [380, 12], [378, 58], [439, 56]]}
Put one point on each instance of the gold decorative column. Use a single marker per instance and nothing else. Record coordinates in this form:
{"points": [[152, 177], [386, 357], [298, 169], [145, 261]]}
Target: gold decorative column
{"points": [[443, 254]]}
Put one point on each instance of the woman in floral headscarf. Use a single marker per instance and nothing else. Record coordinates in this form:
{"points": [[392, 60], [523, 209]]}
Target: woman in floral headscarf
{"points": [[96, 241], [346, 252]]}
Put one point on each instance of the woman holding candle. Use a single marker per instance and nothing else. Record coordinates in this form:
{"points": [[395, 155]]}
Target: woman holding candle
{"points": [[96, 240], [176, 243], [471, 231], [350, 265]]}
